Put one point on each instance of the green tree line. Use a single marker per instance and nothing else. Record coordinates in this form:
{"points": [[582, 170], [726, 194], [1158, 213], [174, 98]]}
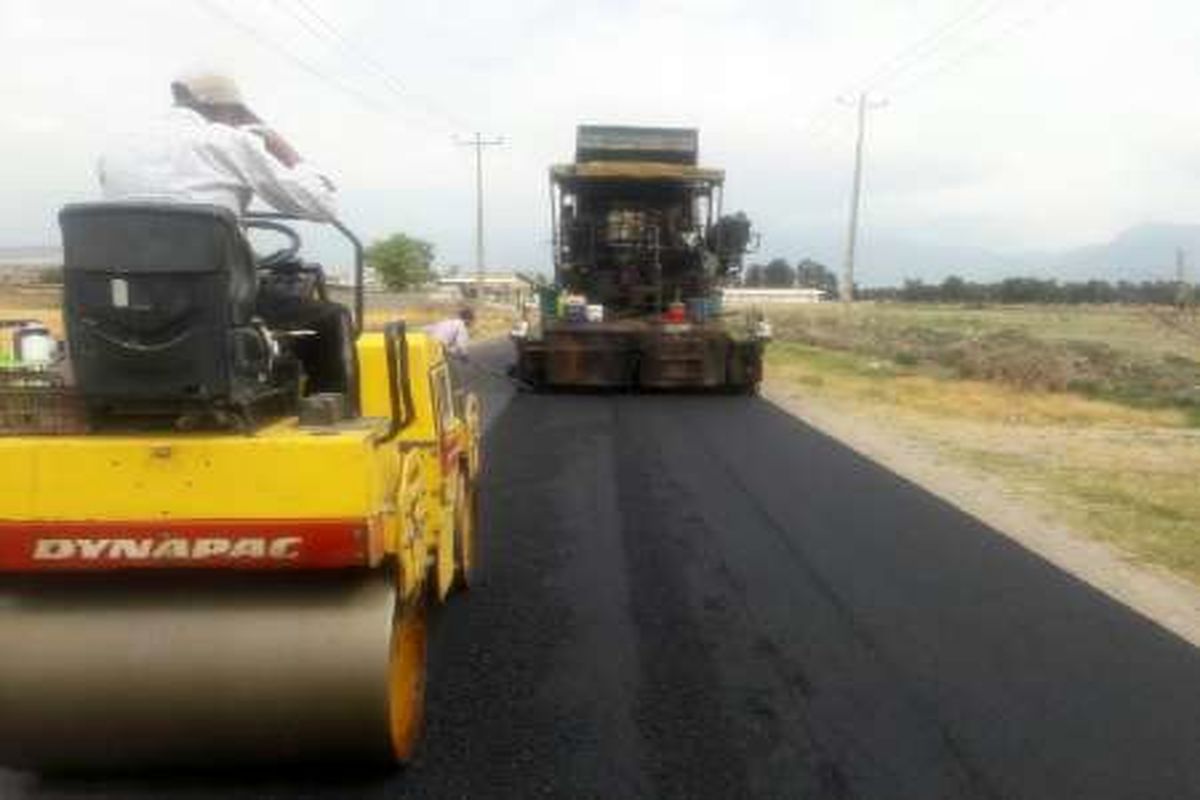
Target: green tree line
{"points": [[779, 274], [955, 289]]}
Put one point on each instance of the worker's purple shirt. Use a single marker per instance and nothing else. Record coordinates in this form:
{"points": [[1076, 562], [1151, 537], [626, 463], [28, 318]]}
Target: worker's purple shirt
{"points": [[452, 333]]}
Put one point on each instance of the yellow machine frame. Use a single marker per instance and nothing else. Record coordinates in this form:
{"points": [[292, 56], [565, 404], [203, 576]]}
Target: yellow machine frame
{"points": [[409, 482]]}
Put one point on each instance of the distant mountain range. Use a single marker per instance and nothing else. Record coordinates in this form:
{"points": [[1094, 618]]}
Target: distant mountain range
{"points": [[30, 256], [1145, 252]]}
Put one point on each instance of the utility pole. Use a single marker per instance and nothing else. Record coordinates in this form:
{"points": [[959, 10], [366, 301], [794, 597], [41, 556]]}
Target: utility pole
{"points": [[478, 142], [1183, 291], [863, 103]]}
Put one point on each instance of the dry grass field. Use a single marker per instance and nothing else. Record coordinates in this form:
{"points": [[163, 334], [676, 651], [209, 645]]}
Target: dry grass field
{"points": [[1137, 356], [42, 304], [1091, 413], [490, 320]]}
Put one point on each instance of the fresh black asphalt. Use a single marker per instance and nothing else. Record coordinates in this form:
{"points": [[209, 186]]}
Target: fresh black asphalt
{"points": [[701, 597]]}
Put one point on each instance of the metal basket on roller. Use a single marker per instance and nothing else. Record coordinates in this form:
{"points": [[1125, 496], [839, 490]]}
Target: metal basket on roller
{"points": [[39, 401]]}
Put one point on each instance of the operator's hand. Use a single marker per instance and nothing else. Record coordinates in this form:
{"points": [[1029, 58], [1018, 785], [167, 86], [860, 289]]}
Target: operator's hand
{"points": [[276, 145]]}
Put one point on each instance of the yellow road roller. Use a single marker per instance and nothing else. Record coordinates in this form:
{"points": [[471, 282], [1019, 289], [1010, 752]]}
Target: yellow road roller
{"points": [[224, 510]]}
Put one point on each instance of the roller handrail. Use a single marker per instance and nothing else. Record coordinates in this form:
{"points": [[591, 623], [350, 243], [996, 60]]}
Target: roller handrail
{"points": [[400, 393]]}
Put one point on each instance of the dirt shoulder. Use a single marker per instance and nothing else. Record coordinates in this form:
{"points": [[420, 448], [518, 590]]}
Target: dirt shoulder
{"points": [[1012, 508]]}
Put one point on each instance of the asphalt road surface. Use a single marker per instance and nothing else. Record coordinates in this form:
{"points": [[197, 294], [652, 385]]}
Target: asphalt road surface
{"points": [[700, 597]]}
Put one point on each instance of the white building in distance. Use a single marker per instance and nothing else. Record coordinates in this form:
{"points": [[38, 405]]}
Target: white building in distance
{"points": [[739, 295]]}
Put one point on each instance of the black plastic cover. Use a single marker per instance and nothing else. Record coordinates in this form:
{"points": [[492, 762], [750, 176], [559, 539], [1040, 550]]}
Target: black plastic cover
{"points": [[158, 303]]}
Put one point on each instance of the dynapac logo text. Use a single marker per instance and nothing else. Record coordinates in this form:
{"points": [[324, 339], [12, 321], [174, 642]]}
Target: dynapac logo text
{"points": [[280, 548]]}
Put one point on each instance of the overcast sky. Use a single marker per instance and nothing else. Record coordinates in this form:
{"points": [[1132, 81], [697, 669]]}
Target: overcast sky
{"points": [[1011, 124]]}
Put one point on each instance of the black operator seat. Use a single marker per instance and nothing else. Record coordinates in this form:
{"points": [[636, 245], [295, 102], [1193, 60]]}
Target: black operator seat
{"points": [[293, 301], [159, 305]]}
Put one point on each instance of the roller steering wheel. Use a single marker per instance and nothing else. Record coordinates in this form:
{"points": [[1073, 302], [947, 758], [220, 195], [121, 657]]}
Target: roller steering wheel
{"points": [[285, 254]]}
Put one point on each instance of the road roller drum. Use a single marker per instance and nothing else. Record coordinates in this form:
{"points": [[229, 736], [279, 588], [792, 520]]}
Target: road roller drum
{"points": [[180, 670]]}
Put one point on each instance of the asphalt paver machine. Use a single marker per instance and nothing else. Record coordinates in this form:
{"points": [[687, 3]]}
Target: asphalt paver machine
{"points": [[641, 251]]}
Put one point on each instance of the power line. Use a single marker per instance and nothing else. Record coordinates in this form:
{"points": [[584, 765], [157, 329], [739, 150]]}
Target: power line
{"points": [[928, 46], [321, 36], [915, 53], [338, 38], [978, 48], [831, 120], [330, 32], [250, 31], [253, 33]]}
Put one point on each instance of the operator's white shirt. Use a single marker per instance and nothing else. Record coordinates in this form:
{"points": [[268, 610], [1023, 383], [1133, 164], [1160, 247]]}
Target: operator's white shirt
{"points": [[184, 158], [452, 333]]}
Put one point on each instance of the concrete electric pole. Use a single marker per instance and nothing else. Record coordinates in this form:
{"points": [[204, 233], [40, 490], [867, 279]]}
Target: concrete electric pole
{"points": [[478, 142], [1183, 290], [863, 103]]}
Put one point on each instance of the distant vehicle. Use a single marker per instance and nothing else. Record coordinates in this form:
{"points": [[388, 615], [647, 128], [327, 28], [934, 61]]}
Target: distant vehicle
{"points": [[641, 251]]}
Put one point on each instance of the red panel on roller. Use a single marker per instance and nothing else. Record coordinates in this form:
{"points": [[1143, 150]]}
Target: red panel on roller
{"points": [[182, 544]]}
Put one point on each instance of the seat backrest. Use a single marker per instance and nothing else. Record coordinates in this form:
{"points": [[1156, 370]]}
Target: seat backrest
{"points": [[154, 295], [132, 239]]}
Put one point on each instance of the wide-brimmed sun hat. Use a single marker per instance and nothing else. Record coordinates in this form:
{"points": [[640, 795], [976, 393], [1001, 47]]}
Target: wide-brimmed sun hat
{"points": [[211, 89]]}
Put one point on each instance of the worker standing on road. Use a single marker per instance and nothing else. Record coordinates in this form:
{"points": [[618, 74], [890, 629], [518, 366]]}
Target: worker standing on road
{"points": [[210, 148], [454, 333]]}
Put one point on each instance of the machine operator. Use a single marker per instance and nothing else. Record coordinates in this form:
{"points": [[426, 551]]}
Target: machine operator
{"points": [[211, 148]]}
